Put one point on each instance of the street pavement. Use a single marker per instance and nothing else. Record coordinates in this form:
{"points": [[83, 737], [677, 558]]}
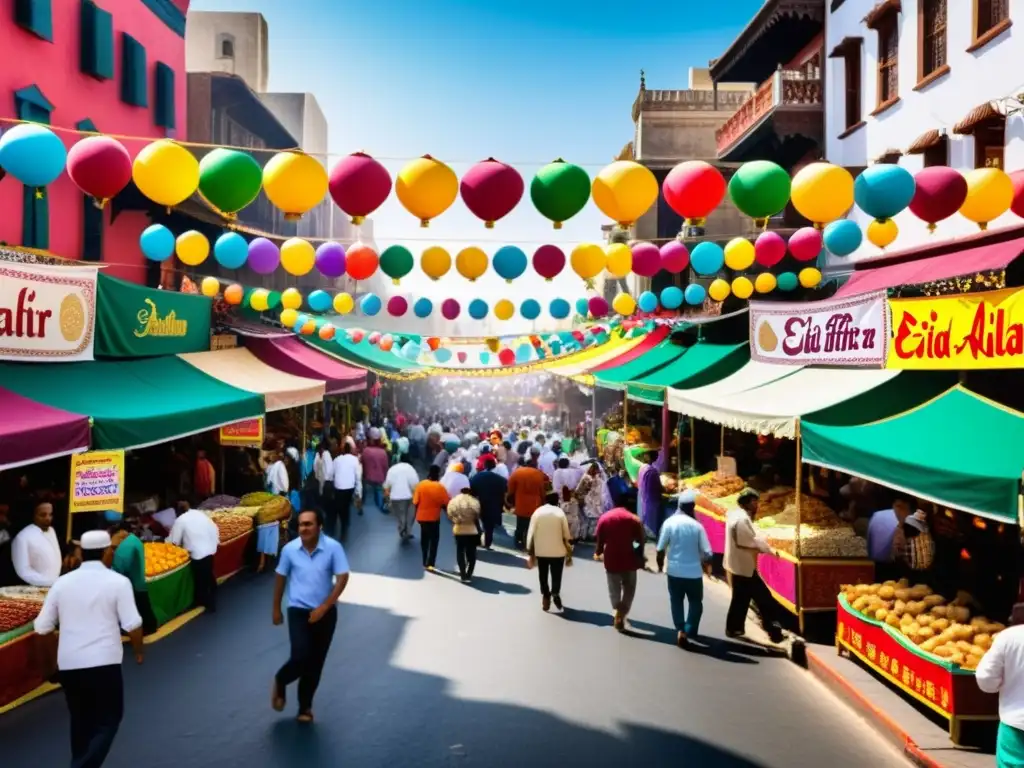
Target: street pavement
{"points": [[426, 671]]}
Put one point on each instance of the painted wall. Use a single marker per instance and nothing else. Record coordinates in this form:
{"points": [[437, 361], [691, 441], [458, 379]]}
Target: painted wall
{"points": [[249, 37], [55, 69]]}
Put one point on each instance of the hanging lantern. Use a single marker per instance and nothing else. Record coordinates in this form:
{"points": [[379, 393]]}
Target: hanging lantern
{"points": [[192, 248], [99, 166], [330, 259], [423, 308], [370, 304], [450, 309], [297, 256], [291, 299], [765, 282], [210, 287], [597, 306], [707, 258], [478, 309], [229, 180], [719, 289], [359, 185], [760, 189], [234, 294], [530, 309], [805, 244], [646, 259], [326, 332], [939, 192], [264, 256], [294, 182], [230, 250], [426, 188], [769, 249], [491, 189], [435, 262], [742, 288], [883, 233], [842, 237], [671, 297], [559, 191], [397, 306], [507, 356], [559, 309], [165, 172], [504, 309], [289, 317], [157, 242], [624, 304], [624, 191], [318, 300], [693, 189], [343, 303], [618, 260], [739, 254]]}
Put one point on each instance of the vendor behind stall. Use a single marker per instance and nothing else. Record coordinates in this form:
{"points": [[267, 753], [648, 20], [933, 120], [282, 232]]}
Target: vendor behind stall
{"points": [[886, 538], [36, 551], [130, 561]]}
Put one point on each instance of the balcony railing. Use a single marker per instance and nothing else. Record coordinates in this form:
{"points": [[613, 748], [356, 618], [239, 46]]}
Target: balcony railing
{"points": [[784, 88]]}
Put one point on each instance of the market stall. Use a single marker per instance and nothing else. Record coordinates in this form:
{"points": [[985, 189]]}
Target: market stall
{"points": [[290, 355], [21, 663], [582, 362], [31, 432], [618, 376], [241, 369], [700, 365]]}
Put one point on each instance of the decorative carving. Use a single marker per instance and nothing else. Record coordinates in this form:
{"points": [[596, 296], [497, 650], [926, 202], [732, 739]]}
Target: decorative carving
{"points": [[796, 91]]}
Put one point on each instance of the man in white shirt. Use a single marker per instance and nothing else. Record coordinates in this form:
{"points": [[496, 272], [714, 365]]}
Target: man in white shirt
{"points": [[742, 546], [1001, 671], [277, 476], [35, 552], [197, 533], [346, 477], [91, 605], [399, 485], [547, 542]]}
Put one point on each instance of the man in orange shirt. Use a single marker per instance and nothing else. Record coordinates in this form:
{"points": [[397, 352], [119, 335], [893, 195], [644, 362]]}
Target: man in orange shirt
{"points": [[430, 498], [526, 488]]}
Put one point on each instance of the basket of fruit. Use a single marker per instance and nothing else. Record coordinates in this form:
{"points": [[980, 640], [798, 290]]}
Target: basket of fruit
{"points": [[231, 525], [163, 558]]}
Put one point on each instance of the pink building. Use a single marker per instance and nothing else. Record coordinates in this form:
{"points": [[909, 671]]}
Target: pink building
{"points": [[116, 66]]}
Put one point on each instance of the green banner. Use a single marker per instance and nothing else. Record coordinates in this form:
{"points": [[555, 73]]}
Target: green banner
{"points": [[135, 321]]}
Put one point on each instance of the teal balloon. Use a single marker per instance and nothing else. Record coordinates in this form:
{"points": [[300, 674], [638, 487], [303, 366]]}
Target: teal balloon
{"points": [[32, 154], [883, 190], [694, 294], [319, 301], [523, 353], [370, 304], [443, 355], [485, 357], [231, 250], [530, 309], [843, 237], [157, 242], [423, 307], [647, 302], [478, 309], [410, 350], [509, 262], [760, 189], [559, 309], [301, 321], [787, 281], [672, 297], [707, 258], [582, 307]]}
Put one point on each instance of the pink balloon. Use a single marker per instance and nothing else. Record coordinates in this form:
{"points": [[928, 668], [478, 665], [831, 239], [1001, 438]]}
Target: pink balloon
{"points": [[805, 244], [356, 335], [491, 189], [598, 306], [769, 249], [359, 185], [450, 309], [675, 256], [374, 337], [397, 306], [100, 166], [646, 259], [548, 261]]}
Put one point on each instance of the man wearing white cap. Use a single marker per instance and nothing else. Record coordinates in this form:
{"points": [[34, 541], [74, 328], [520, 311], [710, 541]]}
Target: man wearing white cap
{"points": [[689, 557], [91, 606]]}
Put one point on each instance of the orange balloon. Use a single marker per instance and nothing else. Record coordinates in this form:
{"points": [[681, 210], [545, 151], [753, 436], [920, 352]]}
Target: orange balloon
{"points": [[233, 294], [361, 262], [326, 332], [308, 328]]}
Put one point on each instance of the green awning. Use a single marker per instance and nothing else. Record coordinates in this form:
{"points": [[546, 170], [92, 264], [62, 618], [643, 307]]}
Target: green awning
{"points": [[363, 354], [700, 365], [958, 449], [134, 403], [652, 360]]}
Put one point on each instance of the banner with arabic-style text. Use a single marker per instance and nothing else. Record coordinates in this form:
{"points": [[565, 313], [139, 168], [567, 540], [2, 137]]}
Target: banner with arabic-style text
{"points": [[47, 313]]}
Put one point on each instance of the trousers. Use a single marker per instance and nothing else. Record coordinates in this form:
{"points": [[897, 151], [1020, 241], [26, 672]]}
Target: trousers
{"points": [[343, 507], [745, 589], [430, 537], [145, 609], [465, 553], [309, 646], [522, 528], [553, 567], [375, 491], [95, 698], [622, 590], [205, 583], [686, 597], [405, 514]]}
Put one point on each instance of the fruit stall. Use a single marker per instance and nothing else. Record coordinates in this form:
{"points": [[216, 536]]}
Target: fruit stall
{"points": [[20, 659], [168, 580]]}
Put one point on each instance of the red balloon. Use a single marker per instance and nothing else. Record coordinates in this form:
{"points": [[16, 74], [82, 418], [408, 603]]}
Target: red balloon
{"points": [[397, 306], [507, 356], [450, 309], [359, 185], [805, 244], [491, 189], [374, 337], [769, 249], [100, 166], [598, 306], [675, 256], [939, 193], [694, 189], [361, 262], [1017, 177], [548, 261], [461, 356], [356, 335], [646, 259]]}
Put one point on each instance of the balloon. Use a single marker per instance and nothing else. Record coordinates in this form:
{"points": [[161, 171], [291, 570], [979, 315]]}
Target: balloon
{"points": [[374, 337], [787, 281], [765, 282], [326, 331], [883, 190], [370, 304], [939, 193], [319, 301], [443, 355], [989, 195], [739, 254], [646, 259], [822, 192], [274, 299], [210, 287], [300, 320], [883, 233], [229, 180], [234, 294], [504, 309], [192, 248], [99, 165], [156, 242], [769, 249], [693, 189], [230, 250], [597, 306], [396, 262], [509, 262], [805, 244], [671, 297], [33, 154], [450, 309], [530, 309], [548, 261], [359, 185], [719, 289], [1017, 206], [258, 300], [343, 303], [291, 298], [263, 256], [330, 259], [559, 309], [471, 263], [386, 342], [297, 256], [648, 302], [694, 294], [843, 237], [289, 317], [410, 350], [582, 307], [624, 304], [624, 191], [506, 357], [294, 182], [559, 191], [587, 261], [426, 188], [165, 172], [809, 277], [760, 189], [361, 262], [422, 308], [491, 189], [478, 309], [675, 256], [397, 306], [356, 335], [707, 258], [618, 260], [742, 288]]}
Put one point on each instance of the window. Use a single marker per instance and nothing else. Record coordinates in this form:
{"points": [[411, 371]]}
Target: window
{"points": [[92, 215], [931, 21], [853, 86], [97, 41], [164, 95], [937, 153], [990, 15], [888, 59], [133, 72], [31, 104], [36, 16], [225, 46], [990, 143]]}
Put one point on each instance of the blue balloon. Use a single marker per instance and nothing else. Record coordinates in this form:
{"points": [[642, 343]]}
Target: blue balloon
{"points": [[523, 353], [33, 154], [707, 258], [157, 242], [230, 250], [319, 301], [509, 262], [672, 297], [582, 307], [443, 355], [883, 190], [530, 309], [787, 281], [370, 304], [478, 309], [694, 294], [300, 321], [423, 307], [843, 237], [485, 357], [559, 309], [647, 302]]}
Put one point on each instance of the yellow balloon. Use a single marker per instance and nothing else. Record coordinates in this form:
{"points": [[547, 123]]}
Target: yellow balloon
{"points": [[742, 288], [297, 256], [989, 195], [294, 182], [308, 327], [739, 254], [291, 299], [822, 192], [166, 172], [426, 188], [624, 191], [289, 317], [765, 282], [619, 260], [435, 262], [504, 309], [260, 300], [192, 248], [343, 304], [210, 286], [719, 290], [624, 304], [471, 262], [588, 260], [882, 233], [809, 277]]}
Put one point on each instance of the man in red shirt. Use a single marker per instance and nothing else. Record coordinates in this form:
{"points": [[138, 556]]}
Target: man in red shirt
{"points": [[375, 470], [620, 540]]}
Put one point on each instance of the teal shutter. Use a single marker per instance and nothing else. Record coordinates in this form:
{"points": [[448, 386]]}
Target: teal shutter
{"points": [[97, 41], [133, 72], [92, 217], [36, 16], [31, 105], [164, 95]]}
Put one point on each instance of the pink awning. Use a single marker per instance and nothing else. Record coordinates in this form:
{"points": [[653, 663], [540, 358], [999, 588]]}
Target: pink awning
{"points": [[288, 354], [31, 431], [653, 339]]}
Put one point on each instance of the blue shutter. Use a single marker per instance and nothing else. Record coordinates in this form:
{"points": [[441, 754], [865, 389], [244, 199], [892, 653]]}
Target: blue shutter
{"points": [[31, 104], [36, 16], [164, 95], [133, 72], [92, 217], [97, 41]]}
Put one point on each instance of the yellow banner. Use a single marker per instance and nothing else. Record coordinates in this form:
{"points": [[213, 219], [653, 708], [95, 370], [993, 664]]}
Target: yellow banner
{"points": [[971, 331], [243, 434], [97, 482]]}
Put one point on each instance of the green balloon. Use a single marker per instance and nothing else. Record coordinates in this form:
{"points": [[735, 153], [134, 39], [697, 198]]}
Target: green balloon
{"points": [[396, 262], [229, 179], [760, 189], [559, 191], [273, 299]]}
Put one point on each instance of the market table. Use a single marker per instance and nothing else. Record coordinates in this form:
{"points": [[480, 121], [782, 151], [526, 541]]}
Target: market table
{"points": [[20, 664], [230, 556], [171, 593]]}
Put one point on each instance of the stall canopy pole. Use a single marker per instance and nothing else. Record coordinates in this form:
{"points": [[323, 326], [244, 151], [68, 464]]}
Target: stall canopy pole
{"points": [[693, 447], [721, 443], [625, 419], [593, 418], [799, 490], [303, 431]]}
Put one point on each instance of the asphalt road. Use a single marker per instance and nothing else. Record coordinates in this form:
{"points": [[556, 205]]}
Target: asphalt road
{"points": [[426, 671]]}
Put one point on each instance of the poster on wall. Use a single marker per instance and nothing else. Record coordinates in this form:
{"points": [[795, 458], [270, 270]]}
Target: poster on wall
{"points": [[247, 433], [852, 331], [97, 482], [47, 313]]}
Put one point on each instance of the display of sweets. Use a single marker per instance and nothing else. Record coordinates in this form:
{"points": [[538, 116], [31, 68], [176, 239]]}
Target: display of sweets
{"points": [[162, 557], [231, 525], [19, 606]]}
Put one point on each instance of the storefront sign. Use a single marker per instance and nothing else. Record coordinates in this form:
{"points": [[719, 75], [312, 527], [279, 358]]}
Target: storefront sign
{"points": [[47, 314], [243, 434], [135, 321], [853, 331], [969, 331], [97, 482]]}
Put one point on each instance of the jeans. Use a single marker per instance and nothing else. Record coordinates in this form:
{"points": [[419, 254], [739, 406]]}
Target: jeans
{"points": [[680, 592], [205, 583], [430, 537], [489, 533], [405, 514], [522, 528], [553, 566], [375, 492], [95, 697], [745, 589], [343, 507], [621, 591], [310, 643], [465, 553]]}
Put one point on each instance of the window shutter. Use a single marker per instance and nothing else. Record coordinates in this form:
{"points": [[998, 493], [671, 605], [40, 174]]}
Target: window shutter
{"points": [[97, 41], [133, 72], [164, 95], [35, 210], [92, 217], [36, 16]]}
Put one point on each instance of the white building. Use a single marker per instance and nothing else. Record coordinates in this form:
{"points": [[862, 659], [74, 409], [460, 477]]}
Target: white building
{"points": [[924, 82]]}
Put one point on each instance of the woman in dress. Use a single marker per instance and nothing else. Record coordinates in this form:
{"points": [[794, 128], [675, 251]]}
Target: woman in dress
{"points": [[593, 497], [564, 482]]}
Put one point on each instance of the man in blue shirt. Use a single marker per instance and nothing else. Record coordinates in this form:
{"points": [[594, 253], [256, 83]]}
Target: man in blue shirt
{"points": [[689, 557], [316, 571]]}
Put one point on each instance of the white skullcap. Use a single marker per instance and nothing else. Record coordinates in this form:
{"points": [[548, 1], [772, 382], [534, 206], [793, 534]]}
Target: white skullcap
{"points": [[687, 497], [95, 540]]}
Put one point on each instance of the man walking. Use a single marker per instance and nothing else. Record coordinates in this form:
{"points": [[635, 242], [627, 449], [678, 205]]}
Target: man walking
{"points": [[91, 606], [316, 571], [375, 469], [464, 512], [430, 497], [197, 533], [490, 489], [399, 485], [620, 541], [742, 545], [689, 557], [525, 495], [547, 542], [130, 561], [344, 475]]}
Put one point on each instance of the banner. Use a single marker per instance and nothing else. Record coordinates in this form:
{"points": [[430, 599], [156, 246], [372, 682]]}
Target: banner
{"points": [[853, 332], [135, 321], [247, 433], [962, 332], [47, 314], [97, 482]]}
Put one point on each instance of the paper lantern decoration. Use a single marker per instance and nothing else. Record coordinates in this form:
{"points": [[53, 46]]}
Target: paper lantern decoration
{"points": [[504, 309], [493, 344], [327, 331], [693, 189], [707, 258], [234, 294], [330, 259], [559, 309], [297, 256], [618, 260], [510, 262], [433, 343], [597, 306], [582, 307], [291, 298], [370, 304], [530, 309], [450, 309], [230, 250], [359, 185], [624, 191], [671, 297], [260, 300], [411, 350], [883, 190], [675, 256], [289, 317], [787, 282], [648, 302], [822, 192], [356, 335], [1017, 206], [165, 172], [443, 355], [34, 155], [423, 308], [739, 254], [343, 304], [386, 343], [229, 180], [523, 353], [478, 309], [99, 166], [882, 233], [719, 289], [435, 262], [294, 182], [843, 237], [374, 338], [157, 242], [426, 188], [506, 356], [624, 304], [319, 301], [989, 195], [742, 288], [192, 248], [548, 261], [760, 189], [263, 256], [939, 193], [491, 189], [805, 244], [559, 191], [769, 249], [765, 282], [809, 277], [694, 294], [587, 261], [646, 259], [397, 306], [210, 287], [361, 262], [471, 263], [396, 262]]}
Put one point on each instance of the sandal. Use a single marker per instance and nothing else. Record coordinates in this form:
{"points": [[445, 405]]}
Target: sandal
{"points": [[305, 717], [277, 698]]}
